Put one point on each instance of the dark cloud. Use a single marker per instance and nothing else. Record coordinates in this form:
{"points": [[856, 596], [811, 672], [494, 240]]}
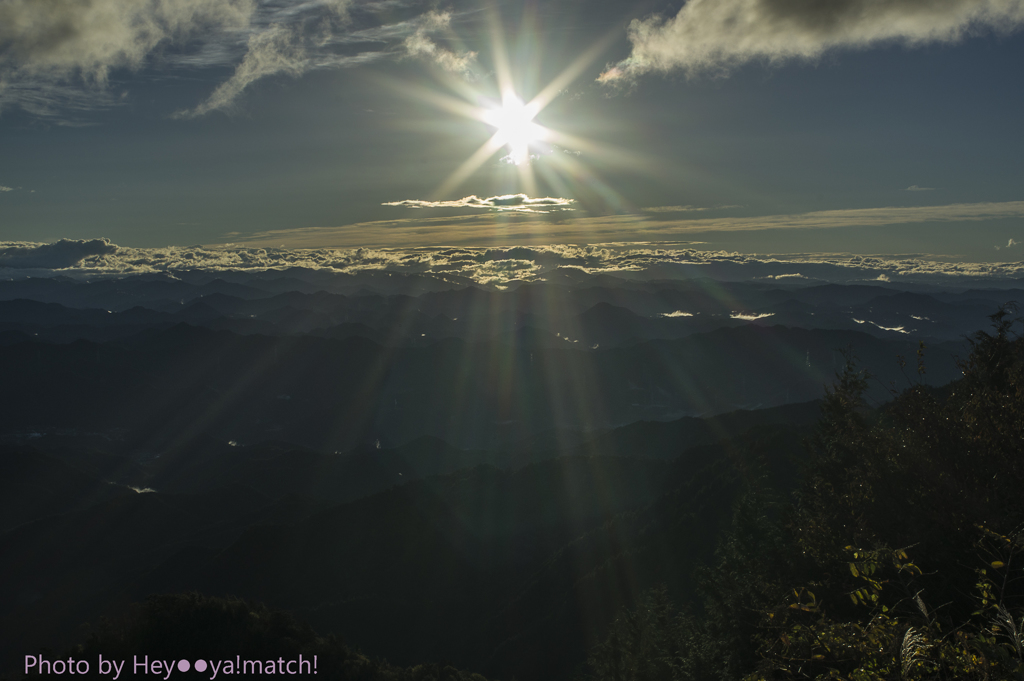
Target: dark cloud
{"points": [[59, 255]]}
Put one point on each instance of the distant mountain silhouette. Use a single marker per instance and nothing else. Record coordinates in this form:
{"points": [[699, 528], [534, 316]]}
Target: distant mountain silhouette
{"points": [[433, 468], [172, 385]]}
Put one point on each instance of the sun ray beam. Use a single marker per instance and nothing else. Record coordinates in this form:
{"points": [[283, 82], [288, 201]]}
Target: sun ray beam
{"points": [[571, 73], [469, 166]]}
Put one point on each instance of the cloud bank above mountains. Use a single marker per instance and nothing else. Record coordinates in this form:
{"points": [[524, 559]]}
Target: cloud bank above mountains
{"points": [[63, 254], [499, 266], [715, 36]]}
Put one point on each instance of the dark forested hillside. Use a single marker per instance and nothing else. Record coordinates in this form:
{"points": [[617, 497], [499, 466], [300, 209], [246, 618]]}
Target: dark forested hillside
{"points": [[649, 476], [898, 556]]}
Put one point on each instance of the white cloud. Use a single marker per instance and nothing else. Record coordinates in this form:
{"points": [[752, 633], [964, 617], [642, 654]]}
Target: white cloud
{"points": [[717, 35], [493, 266], [915, 188], [6, 189], [272, 51], [58, 57], [508, 202], [88, 38], [420, 45], [786, 276]]}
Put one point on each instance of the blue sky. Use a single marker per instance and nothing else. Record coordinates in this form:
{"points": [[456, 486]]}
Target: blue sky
{"points": [[755, 126]]}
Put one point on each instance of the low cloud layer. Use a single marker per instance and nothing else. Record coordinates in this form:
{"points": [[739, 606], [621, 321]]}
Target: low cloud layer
{"points": [[59, 255], [498, 266], [714, 36], [520, 203]]}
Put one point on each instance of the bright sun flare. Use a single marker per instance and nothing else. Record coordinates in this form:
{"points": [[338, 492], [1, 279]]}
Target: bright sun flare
{"points": [[513, 121]]}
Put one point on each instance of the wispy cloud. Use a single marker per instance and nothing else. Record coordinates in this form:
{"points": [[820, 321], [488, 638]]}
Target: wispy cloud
{"points": [[915, 188], [669, 209], [59, 55], [56, 57], [520, 203], [717, 35], [682, 209], [272, 51], [854, 217], [422, 46], [59, 59], [64, 104], [88, 39], [538, 227], [6, 189]]}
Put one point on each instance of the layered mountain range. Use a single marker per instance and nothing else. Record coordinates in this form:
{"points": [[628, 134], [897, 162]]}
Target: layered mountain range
{"points": [[434, 469]]}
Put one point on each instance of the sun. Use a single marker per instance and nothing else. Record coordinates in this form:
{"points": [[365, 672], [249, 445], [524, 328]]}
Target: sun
{"points": [[513, 122]]}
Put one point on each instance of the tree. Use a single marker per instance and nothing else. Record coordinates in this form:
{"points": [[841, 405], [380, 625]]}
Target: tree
{"points": [[900, 555]]}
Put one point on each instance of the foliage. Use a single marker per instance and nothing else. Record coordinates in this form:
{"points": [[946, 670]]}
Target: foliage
{"points": [[657, 642], [937, 473], [644, 644], [896, 635]]}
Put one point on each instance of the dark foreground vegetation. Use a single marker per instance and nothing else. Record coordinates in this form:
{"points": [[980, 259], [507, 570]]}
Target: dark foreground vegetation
{"points": [[898, 557], [222, 630]]}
